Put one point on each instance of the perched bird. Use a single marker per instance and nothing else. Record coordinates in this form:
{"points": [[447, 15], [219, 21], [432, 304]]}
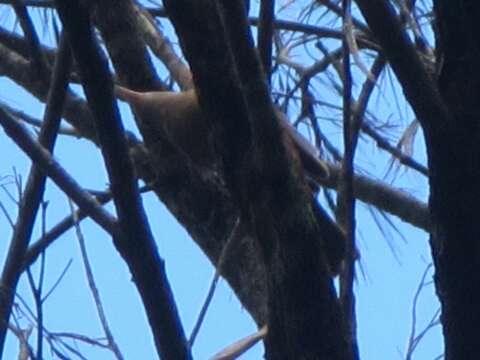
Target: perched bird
{"points": [[180, 117], [178, 114], [183, 122]]}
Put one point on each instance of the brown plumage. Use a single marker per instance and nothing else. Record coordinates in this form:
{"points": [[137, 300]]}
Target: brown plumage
{"points": [[180, 115]]}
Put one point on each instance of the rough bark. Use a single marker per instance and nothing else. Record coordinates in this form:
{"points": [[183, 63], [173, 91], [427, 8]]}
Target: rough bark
{"points": [[201, 203], [455, 170], [135, 241], [265, 181], [210, 224], [448, 110]]}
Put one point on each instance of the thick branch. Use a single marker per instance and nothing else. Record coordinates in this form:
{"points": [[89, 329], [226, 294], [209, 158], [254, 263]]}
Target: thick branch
{"points": [[252, 148], [454, 164], [265, 34], [202, 205], [136, 245]]}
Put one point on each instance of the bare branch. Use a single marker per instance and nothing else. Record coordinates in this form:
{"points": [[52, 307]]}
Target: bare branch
{"points": [[162, 48], [53, 169], [136, 245], [112, 344], [417, 83], [346, 200], [235, 236], [36, 180], [265, 35], [28, 28]]}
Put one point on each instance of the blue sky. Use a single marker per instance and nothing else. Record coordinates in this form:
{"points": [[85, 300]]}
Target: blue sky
{"points": [[385, 286]]}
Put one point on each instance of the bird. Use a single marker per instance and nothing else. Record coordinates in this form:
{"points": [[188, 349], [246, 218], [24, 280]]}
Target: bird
{"points": [[179, 116]]}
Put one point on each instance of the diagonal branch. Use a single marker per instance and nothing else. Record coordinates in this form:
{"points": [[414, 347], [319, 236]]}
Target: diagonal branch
{"points": [[36, 55], [34, 250], [420, 91], [37, 153], [162, 47], [35, 188], [111, 343], [136, 245]]}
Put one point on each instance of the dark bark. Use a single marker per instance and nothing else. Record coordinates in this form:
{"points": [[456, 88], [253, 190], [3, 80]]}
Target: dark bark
{"points": [[208, 226], [455, 170], [135, 242], [265, 181], [200, 203], [123, 37], [265, 35], [449, 114], [34, 189], [204, 207]]}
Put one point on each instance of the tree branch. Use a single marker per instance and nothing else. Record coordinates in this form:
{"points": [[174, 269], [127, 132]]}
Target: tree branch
{"points": [[34, 189], [136, 245], [416, 82], [265, 35], [20, 135]]}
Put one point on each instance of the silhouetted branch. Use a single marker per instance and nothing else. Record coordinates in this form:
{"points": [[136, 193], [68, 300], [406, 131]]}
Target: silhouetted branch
{"points": [[112, 344], [402, 56], [52, 168], [265, 35], [36, 55], [136, 243], [35, 185]]}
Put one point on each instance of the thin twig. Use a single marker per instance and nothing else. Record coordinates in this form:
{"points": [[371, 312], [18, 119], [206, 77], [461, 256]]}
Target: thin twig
{"points": [[234, 235], [415, 339], [398, 154], [30, 120], [346, 199], [63, 226], [57, 173], [7, 215], [57, 282], [36, 181], [339, 11], [112, 344], [37, 298], [38, 288]]}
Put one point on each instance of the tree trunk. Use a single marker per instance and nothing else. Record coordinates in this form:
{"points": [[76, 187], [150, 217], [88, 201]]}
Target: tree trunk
{"points": [[454, 172]]}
